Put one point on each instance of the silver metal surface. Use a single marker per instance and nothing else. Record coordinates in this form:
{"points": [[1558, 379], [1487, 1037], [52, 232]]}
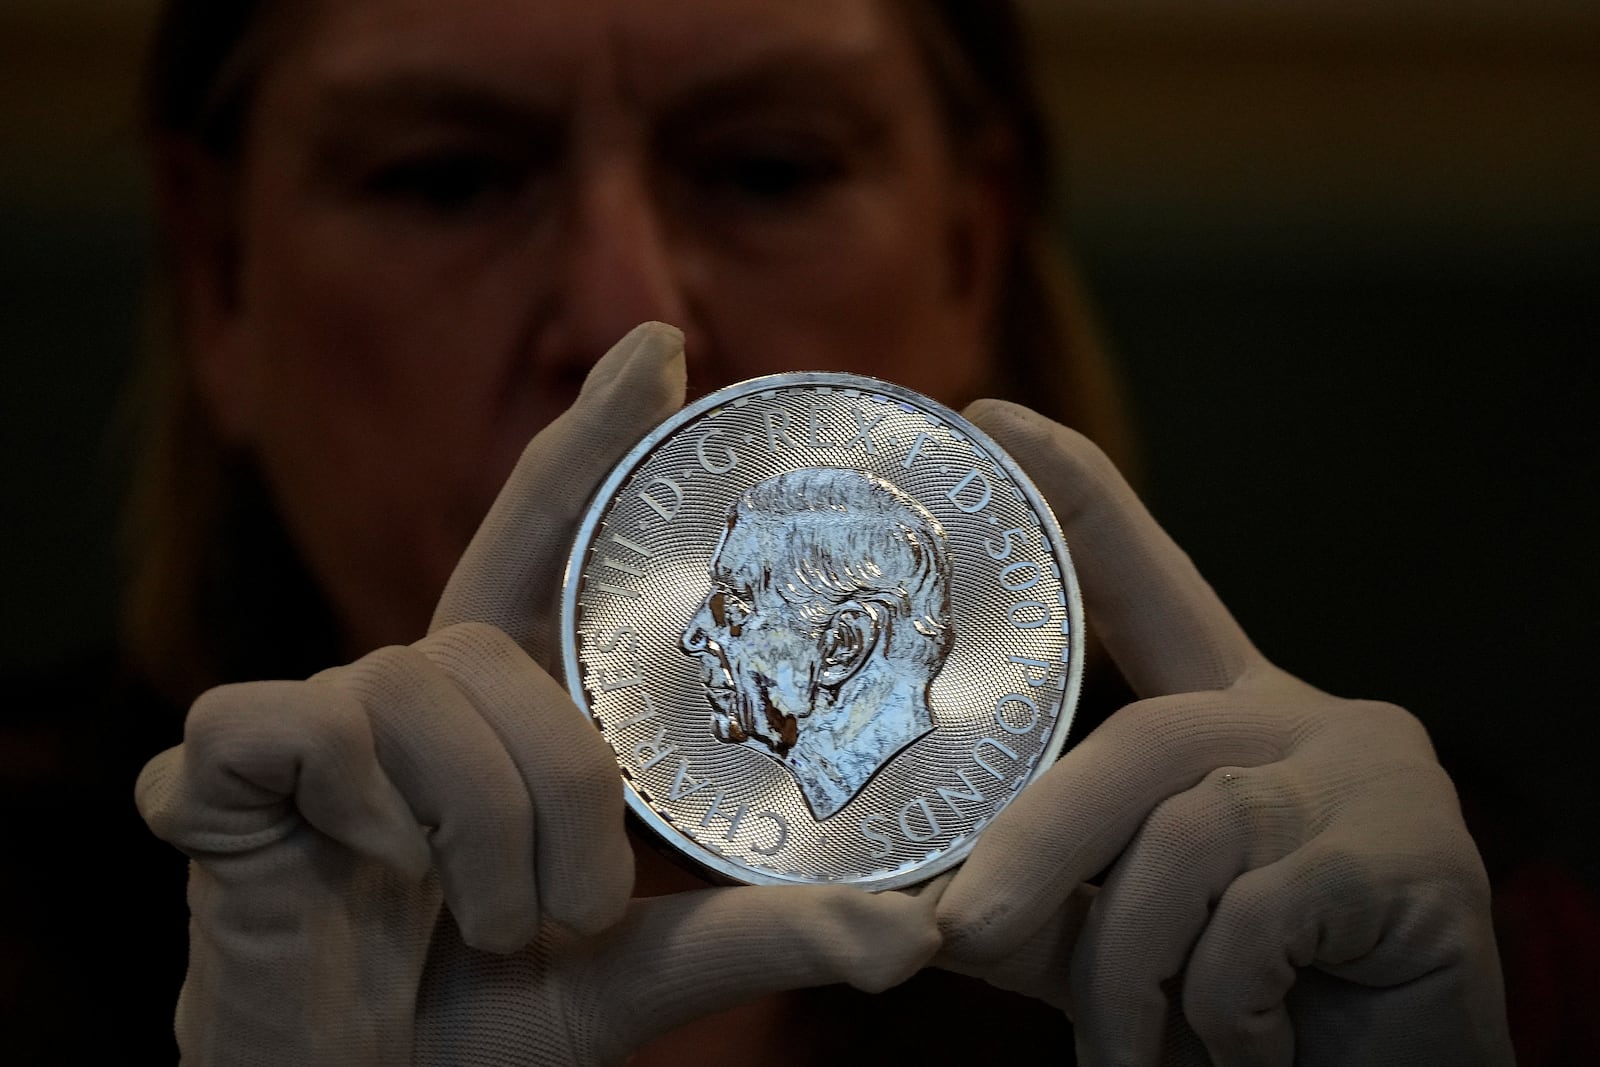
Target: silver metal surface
{"points": [[828, 627]]}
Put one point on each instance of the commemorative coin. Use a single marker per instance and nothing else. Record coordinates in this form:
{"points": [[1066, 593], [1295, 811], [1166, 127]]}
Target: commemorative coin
{"points": [[828, 627]]}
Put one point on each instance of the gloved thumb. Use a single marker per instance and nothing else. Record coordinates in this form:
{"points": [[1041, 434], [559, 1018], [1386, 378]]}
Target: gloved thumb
{"points": [[680, 957]]}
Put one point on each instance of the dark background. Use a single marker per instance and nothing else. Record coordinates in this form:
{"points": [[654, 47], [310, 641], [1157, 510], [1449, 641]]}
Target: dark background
{"points": [[1348, 257]]}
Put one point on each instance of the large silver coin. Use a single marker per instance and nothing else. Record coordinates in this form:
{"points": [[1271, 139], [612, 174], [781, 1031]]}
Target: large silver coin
{"points": [[828, 627]]}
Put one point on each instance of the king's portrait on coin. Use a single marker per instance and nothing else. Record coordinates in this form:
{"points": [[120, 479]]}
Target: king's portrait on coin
{"points": [[827, 620]]}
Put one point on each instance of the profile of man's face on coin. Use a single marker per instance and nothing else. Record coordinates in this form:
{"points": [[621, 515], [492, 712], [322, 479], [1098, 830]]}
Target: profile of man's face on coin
{"points": [[827, 620]]}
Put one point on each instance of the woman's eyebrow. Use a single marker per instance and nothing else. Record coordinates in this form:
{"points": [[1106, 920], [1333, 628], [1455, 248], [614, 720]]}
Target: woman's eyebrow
{"points": [[845, 85], [354, 119], [405, 98]]}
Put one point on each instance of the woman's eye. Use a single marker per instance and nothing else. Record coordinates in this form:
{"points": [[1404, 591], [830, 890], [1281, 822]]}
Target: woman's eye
{"points": [[446, 183], [768, 177]]}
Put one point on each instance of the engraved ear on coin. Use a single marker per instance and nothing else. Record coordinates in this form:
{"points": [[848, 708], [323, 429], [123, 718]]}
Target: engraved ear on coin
{"points": [[828, 628]]}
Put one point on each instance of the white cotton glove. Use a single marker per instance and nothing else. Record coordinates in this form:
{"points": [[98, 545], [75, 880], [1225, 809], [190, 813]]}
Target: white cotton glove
{"points": [[329, 927], [1292, 879]]}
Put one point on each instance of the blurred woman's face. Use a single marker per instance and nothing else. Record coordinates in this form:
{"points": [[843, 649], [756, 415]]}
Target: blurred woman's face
{"points": [[447, 209]]}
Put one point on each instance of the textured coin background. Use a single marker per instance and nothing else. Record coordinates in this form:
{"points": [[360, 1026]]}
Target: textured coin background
{"points": [[639, 572]]}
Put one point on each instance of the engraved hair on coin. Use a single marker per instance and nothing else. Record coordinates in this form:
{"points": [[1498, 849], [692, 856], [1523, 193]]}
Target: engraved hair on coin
{"points": [[827, 621]]}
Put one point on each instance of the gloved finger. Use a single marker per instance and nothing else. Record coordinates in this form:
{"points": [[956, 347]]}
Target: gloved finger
{"points": [[1393, 929], [1161, 622], [259, 756], [1069, 824], [1437, 1017], [1041, 966], [680, 957], [1158, 898], [510, 574], [457, 778], [582, 857], [1252, 1026]]}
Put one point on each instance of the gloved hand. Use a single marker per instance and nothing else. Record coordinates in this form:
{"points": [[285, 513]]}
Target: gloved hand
{"points": [[1292, 879], [328, 926]]}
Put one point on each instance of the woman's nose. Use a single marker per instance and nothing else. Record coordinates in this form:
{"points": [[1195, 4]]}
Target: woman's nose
{"points": [[620, 266]]}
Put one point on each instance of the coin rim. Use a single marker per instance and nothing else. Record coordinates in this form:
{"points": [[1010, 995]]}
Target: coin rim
{"points": [[599, 504]]}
